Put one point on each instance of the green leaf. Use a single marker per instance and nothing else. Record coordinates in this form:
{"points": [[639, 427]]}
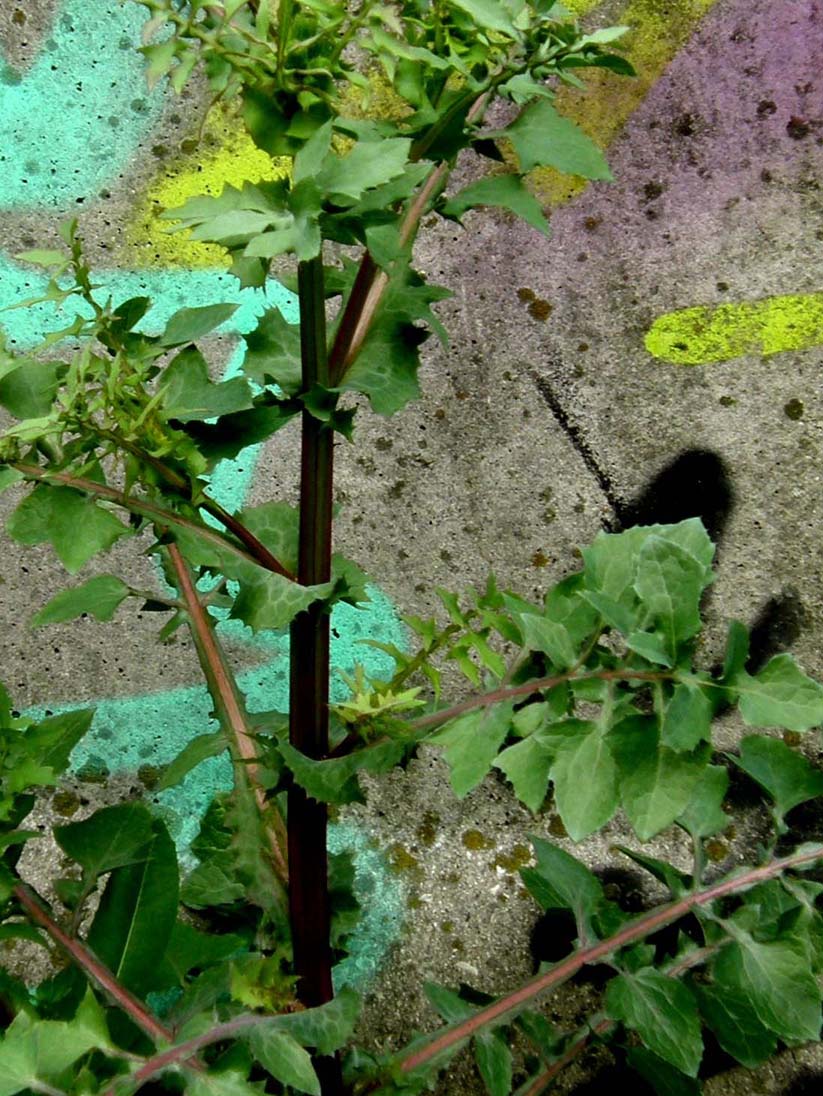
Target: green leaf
{"points": [[269, 601], [781, 695], [664, 1079], [277, 525], [448, 1004], [211, 884], [669, 582], [664, 1014], [28, 391], [687, 719], [189, 394], [274, 352], [43, 257], [488, 15], [228, 1083], [612, 560], [676, 881], [74, 525], [566, 604], [494, 1062], [99, 597], [550, 637], [704, 814], [231, 434], [504, 191], [285, 1059], [189, 949], [737, 650], [34, 1052], [8, 477], [334, 780], [785, 774], [327, 1027], [568, 884], [233, 225], [584, 776], [470, 744], [54, 738], [200, 748], [368, 164], [656, 784], [137, 913], [527, 765], [111, 838], [385, 369], [776, 981], [542, 137], [734, 1022], [189, 324]]}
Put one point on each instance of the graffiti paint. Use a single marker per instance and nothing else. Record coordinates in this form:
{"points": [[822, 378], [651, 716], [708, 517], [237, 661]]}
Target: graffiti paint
{"points": [[75, 119], [658, 31], [226, 155], [705, 334]]}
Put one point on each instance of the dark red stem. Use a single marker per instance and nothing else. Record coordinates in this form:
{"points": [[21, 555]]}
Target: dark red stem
{"points": [[91, 966], [308, 704]]}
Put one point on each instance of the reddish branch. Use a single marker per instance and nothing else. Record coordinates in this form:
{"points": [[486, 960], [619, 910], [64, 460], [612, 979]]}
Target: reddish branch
{"points": [[229, 707], [254, 552], [508, 692], [92, 967], [637, 929]]}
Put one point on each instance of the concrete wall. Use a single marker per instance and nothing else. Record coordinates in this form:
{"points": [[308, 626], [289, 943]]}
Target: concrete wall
{"points": [[658, 357]]}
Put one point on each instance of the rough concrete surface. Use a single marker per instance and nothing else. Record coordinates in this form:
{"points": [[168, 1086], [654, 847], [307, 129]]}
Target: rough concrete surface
{"points": [[572, 380]]}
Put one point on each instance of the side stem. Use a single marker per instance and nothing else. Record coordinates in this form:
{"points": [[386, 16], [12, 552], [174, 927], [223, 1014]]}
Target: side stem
{"points": [[230, 710], [638, 928], [92, 967]]}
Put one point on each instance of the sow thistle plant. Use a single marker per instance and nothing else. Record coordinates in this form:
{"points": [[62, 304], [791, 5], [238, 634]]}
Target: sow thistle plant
{"points": [[218, 981]]}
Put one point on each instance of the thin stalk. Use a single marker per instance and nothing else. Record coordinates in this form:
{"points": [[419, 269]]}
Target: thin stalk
{"points": [[158, 514], [435, 719], [183, 486], [92, 967], [309, 909], [371, 282], [230, 710], [182, 1053], [572, 1051], [637, 929]]}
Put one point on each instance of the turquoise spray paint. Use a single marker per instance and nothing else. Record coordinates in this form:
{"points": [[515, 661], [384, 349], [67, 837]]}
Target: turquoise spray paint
{"points": [[76, 68]]}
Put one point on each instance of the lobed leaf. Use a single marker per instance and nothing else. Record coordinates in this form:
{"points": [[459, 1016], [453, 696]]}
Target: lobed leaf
{"points": [[470, 744], [75, 526], [781, 695], [503, 191], [776, 980], [544, 138], [785, 774], [188, 393], [664, 1014], [99, 597]]}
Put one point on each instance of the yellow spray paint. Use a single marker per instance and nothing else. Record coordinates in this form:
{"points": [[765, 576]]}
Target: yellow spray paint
{"points": [[658, 32], [704, 334], [226, 154]]}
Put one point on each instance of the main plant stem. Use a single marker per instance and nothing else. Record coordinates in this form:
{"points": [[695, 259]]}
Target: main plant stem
{"points": [[309, 683]]}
